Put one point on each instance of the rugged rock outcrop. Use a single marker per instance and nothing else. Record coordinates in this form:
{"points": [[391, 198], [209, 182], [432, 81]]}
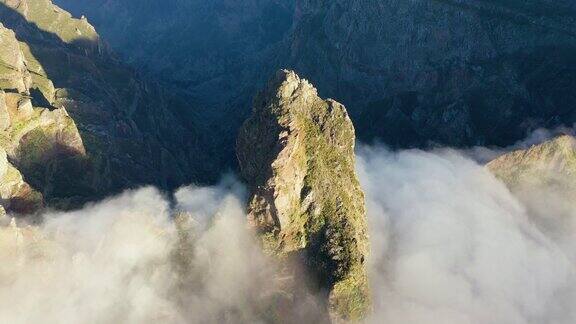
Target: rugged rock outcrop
{"points": [[15, 194], [31, 138], [552, 163], [81, 124], [543, 179], [296, 152]]}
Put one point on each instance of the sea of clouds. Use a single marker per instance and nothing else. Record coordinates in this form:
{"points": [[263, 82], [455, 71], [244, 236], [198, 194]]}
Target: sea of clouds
{"points": [[450, 244]]}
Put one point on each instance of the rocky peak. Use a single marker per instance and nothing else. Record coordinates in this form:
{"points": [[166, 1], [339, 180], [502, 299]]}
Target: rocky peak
{"points": [[296, 152], [551, 161]]}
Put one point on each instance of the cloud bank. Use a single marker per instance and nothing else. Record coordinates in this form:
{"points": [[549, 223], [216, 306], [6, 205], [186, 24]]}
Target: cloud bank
{"points": [[450, 244], [121, 261]]}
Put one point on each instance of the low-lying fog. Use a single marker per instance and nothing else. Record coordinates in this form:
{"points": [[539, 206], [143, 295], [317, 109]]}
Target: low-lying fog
{"points": [[450, 244]]}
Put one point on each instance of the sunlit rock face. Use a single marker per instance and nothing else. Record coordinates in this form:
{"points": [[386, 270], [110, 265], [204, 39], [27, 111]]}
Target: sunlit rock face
{"points": [[16, 195], [548, 162], [79, 124], [15, 75], [297, 153], [33, 139], [543, 178]]}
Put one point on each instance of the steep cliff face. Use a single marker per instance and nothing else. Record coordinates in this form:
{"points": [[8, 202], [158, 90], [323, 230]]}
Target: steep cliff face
{"points": [[451, 72], [410, 72], [206, 47], [297, 153], [403, 45], [111, 129], [33, 139]]}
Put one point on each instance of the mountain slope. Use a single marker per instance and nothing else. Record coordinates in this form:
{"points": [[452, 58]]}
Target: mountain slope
{"points": [[219, 52], [129, 127], [411, 73], [548, 163], [543, 178], [451, 72], [208, 48], [34, 139]]}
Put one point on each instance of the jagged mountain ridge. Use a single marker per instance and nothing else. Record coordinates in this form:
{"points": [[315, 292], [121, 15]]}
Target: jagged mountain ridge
{"points": [[296, 152], [550, 163], [411, 73], [129, 127], [543, 179]]}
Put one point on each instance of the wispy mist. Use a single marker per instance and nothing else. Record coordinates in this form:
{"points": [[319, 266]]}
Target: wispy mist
{"points": [[450, 244]]}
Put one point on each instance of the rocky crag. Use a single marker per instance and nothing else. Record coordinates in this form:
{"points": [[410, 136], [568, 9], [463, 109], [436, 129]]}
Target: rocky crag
{"points": [[552, 163], [296, 152], [33, 139], [543, 178], [67, 95]]}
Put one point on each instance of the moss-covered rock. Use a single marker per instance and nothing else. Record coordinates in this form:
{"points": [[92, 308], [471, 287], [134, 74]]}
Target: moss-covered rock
{"points": [[552, 163], [297, 154]]}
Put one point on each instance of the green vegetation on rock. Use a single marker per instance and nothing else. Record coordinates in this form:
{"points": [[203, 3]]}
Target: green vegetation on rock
{"points": [[81, 124], [33, 140], [297, 154], [550, 163]]}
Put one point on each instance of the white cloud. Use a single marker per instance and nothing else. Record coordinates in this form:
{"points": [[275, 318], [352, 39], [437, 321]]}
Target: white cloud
{"points": [[460, 247], [450, 244]]}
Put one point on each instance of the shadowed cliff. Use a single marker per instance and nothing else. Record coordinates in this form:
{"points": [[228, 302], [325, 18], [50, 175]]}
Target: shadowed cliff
{"points": [[411, 73]]}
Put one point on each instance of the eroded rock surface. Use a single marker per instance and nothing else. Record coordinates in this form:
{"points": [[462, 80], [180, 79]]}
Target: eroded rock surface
{"points": [[32, 139], [553, 161], [80, 124], [15, 194], [543, 179], [297, 153]]}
